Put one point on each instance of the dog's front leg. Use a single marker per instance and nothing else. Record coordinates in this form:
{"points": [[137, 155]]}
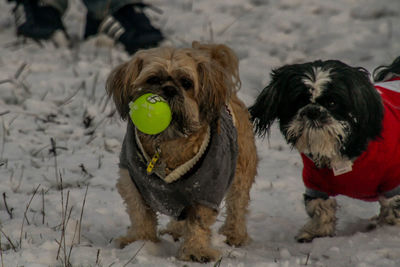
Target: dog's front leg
{"points": [[238, 196], [143, 219], [197, 236], [237, 201], [174, 228], [390, 210], [322, 220]]}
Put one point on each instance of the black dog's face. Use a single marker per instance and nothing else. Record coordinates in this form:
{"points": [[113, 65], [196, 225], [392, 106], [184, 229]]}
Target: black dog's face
{"points": [[326, 109]]}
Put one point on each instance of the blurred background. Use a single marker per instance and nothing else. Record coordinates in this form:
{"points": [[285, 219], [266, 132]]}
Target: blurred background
{"points": [[57, 125]]}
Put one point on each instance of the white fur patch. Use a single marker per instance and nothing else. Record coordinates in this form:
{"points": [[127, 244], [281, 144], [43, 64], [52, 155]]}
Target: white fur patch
{"points": [[324, 141], [317, 82], [322, 220]]}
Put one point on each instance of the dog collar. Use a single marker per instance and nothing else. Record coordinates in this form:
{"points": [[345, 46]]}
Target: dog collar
{"points": [[180, 170], [338, 166]]}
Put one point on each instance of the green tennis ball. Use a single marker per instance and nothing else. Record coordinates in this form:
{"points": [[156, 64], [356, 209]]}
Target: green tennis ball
{"points": [[150, 113]]}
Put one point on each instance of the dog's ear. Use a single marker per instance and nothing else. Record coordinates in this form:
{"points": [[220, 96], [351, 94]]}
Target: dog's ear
{"points": [[384, 73], [265, 109], [120, 82], [367, 104], [226, 58], [213, 90]]}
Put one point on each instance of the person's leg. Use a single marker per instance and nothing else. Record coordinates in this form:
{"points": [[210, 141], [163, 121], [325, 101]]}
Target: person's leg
{"points": [[41, 19], [122, 20], [60, 5], [99, 9]]}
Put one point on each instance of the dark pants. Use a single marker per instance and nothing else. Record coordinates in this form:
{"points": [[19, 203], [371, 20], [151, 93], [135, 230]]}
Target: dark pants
{"points": [[98, 9]]}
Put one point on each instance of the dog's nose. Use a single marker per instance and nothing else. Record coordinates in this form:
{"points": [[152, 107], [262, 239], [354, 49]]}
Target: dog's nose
{"points": [[312, 113], [169, 90]]}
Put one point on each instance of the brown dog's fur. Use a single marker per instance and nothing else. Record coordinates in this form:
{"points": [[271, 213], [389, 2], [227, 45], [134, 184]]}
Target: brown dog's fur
{"points": [[213, 70]]}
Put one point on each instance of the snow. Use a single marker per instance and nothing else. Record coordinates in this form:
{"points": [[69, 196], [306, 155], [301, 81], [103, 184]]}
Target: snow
{"points": [[59, 95]]}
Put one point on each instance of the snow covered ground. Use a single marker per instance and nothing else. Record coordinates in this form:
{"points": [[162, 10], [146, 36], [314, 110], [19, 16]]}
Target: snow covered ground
{"points": [[58, 94]]}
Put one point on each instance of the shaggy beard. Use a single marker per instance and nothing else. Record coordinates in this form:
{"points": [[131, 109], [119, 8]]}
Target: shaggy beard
{"points": [[323, 142]]}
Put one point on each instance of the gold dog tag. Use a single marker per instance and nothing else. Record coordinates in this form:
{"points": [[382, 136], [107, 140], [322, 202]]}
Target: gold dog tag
{"points": [[152, 163]]}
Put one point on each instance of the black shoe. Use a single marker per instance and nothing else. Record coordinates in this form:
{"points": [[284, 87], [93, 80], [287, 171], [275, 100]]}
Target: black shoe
{"points": [[129, 26], [92, 26], [37, 22]]}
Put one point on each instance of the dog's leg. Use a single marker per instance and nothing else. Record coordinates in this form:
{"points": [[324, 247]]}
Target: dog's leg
{"points": [[174, 228], [390, 210], [197, 236], [237, 200], [322, 219], [238, 196], [143, 219]]}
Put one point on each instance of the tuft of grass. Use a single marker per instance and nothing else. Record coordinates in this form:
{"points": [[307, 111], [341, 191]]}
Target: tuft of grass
{"points": [[25, 218], [218, 263], [134, 256]]}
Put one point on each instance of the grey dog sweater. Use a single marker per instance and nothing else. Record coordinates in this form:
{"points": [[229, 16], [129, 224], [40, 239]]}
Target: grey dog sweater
{"points": [[206, 183]]}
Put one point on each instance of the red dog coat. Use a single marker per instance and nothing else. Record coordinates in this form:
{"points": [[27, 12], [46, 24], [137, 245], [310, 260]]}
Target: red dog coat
{"points": [[377, 170]]}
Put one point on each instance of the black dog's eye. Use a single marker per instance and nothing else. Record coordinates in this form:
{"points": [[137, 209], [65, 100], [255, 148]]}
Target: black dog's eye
{"points": [[186, 83], [153, 80], [331, 104]]}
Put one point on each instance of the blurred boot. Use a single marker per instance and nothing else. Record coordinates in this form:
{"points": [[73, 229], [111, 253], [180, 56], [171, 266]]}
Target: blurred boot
{"points": [[128, 26], [38, 21]]}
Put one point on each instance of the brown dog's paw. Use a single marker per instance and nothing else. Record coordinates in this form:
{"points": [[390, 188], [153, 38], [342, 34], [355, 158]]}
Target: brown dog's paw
{"points": [[123, 241], [202, 254], [237, 241], [304, 237], [175, 235], [234, 238], [174, 229]]}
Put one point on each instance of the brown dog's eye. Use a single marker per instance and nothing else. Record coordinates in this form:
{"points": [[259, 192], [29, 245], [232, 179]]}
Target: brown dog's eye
{"points": [[153, 80], [186, 83]]}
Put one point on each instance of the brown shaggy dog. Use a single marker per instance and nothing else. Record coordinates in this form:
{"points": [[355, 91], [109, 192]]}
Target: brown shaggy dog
{"points": [[206, 153]]}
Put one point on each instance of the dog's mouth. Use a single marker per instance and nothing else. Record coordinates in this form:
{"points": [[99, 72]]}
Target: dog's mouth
{"points": [[168, 95], [323, 139], [182, 122], [315, 124]]}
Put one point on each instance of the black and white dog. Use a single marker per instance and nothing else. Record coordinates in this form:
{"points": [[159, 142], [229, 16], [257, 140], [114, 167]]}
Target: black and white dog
{"points": [[347, 130]]}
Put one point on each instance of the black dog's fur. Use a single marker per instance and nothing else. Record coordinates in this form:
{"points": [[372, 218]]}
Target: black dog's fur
{"points": [[350, 89], [383, 73], [341, 105]]}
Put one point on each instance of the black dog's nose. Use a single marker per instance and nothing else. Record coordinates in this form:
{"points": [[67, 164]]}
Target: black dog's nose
{"points": [[169, 90], [312, 113]]}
